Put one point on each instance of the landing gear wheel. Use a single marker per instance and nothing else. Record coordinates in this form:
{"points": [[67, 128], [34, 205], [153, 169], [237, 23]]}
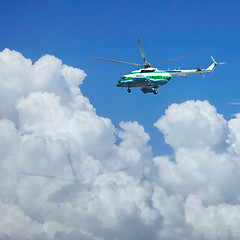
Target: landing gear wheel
{"points": [[129, 90], [155, 92]]}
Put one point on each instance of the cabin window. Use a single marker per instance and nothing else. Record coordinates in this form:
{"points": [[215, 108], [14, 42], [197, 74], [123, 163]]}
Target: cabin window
{"points": [[147, 70]]}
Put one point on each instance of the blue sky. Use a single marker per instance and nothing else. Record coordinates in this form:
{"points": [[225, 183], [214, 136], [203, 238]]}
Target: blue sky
{"points": [[74, 31]]}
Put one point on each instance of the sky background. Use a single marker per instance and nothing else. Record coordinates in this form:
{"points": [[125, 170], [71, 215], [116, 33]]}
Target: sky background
{"points": [[74, 31], [83, 159]]}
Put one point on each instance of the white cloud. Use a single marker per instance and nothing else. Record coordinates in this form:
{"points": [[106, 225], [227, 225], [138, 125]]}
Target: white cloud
{"points": [[19, 77], [212, 222], [234, 138], [193, 124], [96, 188]]}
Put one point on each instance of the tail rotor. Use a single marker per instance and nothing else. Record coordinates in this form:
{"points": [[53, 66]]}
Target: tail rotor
{"points": [[216, 63]]}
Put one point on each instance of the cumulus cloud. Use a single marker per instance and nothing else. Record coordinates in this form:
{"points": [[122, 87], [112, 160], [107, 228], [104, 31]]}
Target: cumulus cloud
{"points": [[64, 175], [193, 125]]}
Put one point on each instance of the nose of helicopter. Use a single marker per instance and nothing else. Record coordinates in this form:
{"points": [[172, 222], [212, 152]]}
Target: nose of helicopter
{"points": [[119, 83]]}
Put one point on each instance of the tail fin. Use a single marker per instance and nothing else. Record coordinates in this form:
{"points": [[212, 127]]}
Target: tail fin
{"points": [[211, 67]]}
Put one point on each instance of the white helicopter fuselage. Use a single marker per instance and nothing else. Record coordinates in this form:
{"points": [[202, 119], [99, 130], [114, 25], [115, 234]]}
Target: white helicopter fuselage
{"points": [[149, 79]]}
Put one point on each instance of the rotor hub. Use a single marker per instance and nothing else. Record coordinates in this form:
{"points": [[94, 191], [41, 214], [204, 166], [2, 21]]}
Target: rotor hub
{"points": [[147, 65]]}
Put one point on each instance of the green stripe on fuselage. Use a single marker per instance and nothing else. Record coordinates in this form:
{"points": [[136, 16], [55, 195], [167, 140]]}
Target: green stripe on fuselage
{"points": [[150, 77]]}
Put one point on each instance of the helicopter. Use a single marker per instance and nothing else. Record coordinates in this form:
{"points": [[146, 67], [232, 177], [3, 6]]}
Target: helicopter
{"points": [[149, 78]]}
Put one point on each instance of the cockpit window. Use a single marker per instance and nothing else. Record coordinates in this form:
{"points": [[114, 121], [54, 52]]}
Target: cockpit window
{"points": [[123, 77]]}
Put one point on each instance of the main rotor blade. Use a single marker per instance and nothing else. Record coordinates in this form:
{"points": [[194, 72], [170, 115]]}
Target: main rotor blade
{"points": [[135, 64], [177, 58], [143, 55], [71, 165], [47, 176]]}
